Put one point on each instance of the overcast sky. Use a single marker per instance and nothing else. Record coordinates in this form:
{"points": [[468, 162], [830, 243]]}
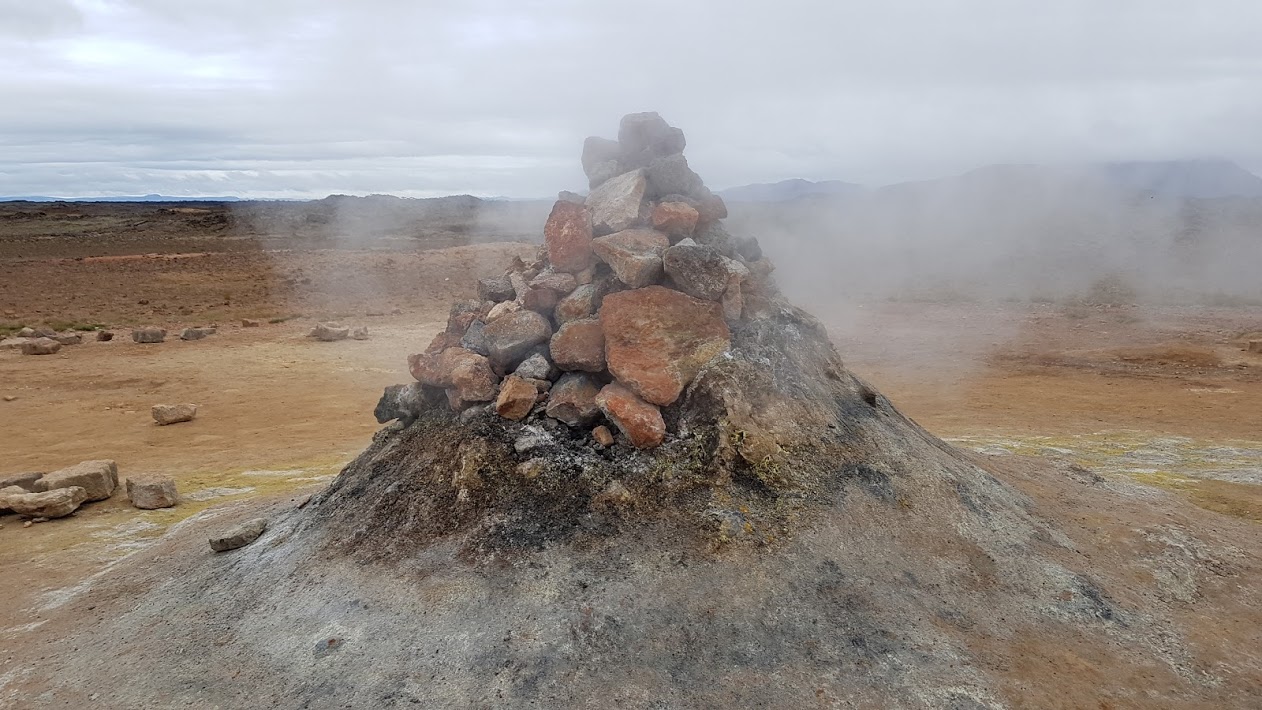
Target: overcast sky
{"points": [[294, 98]]}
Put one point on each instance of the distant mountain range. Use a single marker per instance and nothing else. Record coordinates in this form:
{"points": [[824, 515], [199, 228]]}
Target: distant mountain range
{"points": [[125, 198], [1173, 179], [788, 190]]}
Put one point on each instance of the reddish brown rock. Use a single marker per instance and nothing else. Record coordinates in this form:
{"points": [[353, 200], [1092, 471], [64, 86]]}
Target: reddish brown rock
{"points": [[657, 339], [496, 289], [510, 337], [711, 208], [462, 314], [568, 236], [635, 255], [502, 308], [573, 399], [473, 380], [540, 300], [602, 435], [638, 420], [517, 397], [579, 345], [439, 369], [442, 341], [676, 219]]}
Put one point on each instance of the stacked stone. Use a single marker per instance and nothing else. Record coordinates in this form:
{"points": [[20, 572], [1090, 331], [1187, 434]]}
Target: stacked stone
{"points": [[636, 288]]}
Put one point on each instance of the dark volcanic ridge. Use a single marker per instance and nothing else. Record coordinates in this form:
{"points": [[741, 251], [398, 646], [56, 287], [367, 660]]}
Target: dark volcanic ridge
{"points": [[778, 536]]}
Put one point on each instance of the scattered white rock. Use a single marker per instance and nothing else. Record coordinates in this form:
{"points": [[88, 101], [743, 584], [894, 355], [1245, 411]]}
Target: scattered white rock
{"points": [[49, 504], [329, 332]]}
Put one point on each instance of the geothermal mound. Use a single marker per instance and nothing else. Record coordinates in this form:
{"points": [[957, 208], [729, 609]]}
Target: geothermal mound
{"points": [[630, 474]]}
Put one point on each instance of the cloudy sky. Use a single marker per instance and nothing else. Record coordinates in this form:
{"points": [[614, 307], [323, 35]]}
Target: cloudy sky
{"points": [[295, 98]]}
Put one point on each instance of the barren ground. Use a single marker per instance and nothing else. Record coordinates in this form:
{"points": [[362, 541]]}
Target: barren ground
{"points": [[1164, 398]]}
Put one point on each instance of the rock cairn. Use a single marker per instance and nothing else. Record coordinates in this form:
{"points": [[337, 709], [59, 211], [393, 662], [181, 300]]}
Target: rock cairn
{"points": [[636, 288]]}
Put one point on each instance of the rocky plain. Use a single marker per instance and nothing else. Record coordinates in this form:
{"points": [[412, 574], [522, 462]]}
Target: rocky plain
{"points": [[1122, 439]]}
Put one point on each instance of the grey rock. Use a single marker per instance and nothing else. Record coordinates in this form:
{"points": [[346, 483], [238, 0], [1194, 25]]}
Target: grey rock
{"points": [[41, 346], [152, 492], [474, 339], [616, 204], [536, 367], [329, 332], [697, 270], [597, 151], [567, 196], [67, 338], [104, 336], [635, 255], [670, 174], [496, 289], [402, 402], [194, 333], [510, 337], [27, 332], [98, 479], [239, 536], [644, 137], [149, 334], [582, 302], [22, 480], [747, 248], [604, 172], [558, 281], [359, 333], [56, 503], [165, 414], [572, 399]]}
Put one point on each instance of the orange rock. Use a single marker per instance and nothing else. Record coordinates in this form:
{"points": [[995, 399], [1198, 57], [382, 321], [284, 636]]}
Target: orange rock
{"points": [[442, 341], [445, 368], [568, 236], [579, 345], [657, 339], [517, 397], [602, 435], [638, 420], [677, 219]]}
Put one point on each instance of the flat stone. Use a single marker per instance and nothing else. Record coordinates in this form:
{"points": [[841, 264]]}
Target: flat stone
{"points": [[675, 219], [194, 333], [152, 492], [165, 414], [510, 338], [615, 205], [239, 536], [251, 323], [330, 332], [697, 270], [657, 339], [579, 345], [638, 420], [635, 255], [40, 346], [568, 237], [56, 503], [13, 343], [67, 338], [359, 333], [98, 479], [149, 334], [22, 480], [496, 289], [573, 399], [516, 398]]}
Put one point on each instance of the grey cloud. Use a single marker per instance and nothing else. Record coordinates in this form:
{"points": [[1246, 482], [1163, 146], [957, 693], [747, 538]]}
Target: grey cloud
{"points": [[378, 96]]}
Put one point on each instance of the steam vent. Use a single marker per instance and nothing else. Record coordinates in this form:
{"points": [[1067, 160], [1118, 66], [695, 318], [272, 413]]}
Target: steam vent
{"points": [[631, 474]]}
